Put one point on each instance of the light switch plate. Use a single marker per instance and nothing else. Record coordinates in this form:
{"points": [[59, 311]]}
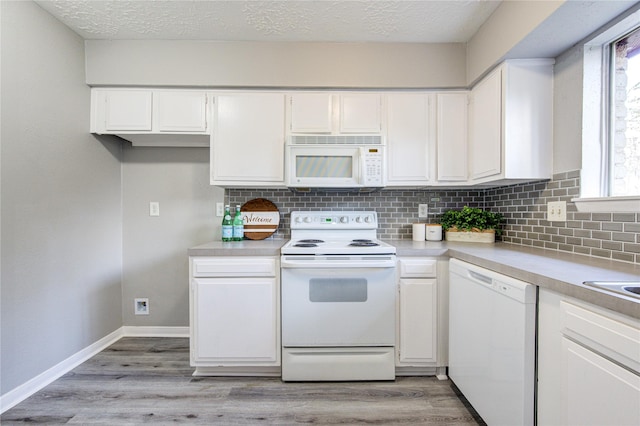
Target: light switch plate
{"points": [[154, 208], [219, 209], [557, 211], [423, 211]]}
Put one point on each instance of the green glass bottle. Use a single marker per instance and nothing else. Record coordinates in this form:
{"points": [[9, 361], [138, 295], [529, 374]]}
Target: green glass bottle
{"points": [[238, 226], [227, 225]]}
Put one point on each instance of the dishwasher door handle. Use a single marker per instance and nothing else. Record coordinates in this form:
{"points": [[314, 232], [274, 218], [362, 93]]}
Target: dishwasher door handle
{"points": [[479, 277]]}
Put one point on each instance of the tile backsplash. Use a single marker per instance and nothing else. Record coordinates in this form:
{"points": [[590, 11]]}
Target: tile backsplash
{"points": [[608, 235]]}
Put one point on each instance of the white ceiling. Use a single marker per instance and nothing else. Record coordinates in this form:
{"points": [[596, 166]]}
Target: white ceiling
{"points": [[424, 21]]}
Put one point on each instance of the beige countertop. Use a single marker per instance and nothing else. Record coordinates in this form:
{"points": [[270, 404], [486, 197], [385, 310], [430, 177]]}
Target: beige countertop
{"points": [[268, 247], [558, 271]]}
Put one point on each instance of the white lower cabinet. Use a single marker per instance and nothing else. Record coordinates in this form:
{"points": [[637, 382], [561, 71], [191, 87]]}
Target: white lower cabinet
{"points": [[235, 315], [417, 337], [588, 364]]}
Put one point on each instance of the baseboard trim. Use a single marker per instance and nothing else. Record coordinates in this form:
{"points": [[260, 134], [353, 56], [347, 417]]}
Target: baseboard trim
{"points": [[135, 331], [24, 391]]}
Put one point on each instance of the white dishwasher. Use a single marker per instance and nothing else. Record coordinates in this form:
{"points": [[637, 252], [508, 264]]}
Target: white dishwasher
{"points": [[492, 335]]}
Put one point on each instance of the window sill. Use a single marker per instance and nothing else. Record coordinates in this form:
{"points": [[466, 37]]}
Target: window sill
{"points": [[608, 204]]}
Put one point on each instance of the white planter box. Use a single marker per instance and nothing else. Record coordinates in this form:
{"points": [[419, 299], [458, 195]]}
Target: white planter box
{"points": [[471, 237]]}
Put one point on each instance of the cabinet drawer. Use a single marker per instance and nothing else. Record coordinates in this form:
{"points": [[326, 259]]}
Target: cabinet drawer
{"points": [[420, 268], [604, 334], [234, 267]]}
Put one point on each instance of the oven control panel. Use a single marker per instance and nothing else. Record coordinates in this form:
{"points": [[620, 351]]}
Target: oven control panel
{"points": [[334, 220]]}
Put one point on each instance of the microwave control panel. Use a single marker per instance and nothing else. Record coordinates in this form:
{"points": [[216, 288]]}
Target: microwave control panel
{"points": [[372, 166]]}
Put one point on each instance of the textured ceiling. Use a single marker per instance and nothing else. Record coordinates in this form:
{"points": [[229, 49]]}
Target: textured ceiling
{"points": [[426, 21]]}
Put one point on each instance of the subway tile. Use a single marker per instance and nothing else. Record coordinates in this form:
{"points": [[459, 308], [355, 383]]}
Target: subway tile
{"points": [[632, 248], [602, 217], [622, 236], [625, 257], [614, 226], [523, 205], [589, 242], [600, 235], [632, 227], [611, 245], [624, 217], [591, 225], [582, 250], [601, 253], [582, 233]]}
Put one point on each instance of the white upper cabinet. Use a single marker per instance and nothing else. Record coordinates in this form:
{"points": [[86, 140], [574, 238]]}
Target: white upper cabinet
{"points": [[127, 111], [451, 129], [360, 113], [410, 151], [181, 111], [247, 145], [311, 112], [153, 117], [331, 113], [510, 133]]}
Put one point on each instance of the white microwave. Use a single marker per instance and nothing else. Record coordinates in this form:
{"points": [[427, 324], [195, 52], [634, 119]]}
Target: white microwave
{"points": [[335, 166]]}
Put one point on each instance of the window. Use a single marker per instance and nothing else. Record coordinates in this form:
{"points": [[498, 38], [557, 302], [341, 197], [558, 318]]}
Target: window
{"points": [[624, 116], [610, 174]]}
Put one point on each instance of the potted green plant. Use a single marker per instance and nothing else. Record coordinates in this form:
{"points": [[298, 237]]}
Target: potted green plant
{"points": [[471, 224]]}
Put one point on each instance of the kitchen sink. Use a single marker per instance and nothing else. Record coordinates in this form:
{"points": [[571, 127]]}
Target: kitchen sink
{"points": [[628, 288]]}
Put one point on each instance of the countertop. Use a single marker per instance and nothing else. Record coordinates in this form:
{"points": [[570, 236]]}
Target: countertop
{"points": [[268, 247], [558, 271]]}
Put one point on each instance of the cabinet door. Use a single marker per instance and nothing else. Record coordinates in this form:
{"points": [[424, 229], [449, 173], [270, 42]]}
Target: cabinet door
{"points": [[409, 147], [128, 110], [181, 111], [247, 146], [597, 391], [236, 321], [485, 144], [418, 313], [311, 112], [452, 136], [360, 113]]}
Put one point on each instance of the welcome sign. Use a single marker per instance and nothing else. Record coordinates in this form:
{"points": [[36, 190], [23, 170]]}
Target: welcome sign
{"points": [[261, 218]]}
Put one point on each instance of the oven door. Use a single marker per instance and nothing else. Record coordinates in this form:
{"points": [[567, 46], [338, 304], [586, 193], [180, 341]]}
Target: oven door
{"points": [[338, 301]]}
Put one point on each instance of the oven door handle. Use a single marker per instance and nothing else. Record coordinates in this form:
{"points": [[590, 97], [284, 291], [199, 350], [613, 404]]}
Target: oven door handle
{"points": [[378, 263]]}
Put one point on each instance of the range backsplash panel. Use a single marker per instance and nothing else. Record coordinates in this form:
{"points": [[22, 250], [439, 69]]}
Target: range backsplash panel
{"points": [[608, 235]]}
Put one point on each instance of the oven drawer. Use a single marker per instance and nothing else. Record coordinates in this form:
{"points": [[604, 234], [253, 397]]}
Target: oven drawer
{"points": [[417, 268], [239, 266]]}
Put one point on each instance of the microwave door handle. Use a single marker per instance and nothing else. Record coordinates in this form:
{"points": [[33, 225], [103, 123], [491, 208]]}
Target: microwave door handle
{"points": [[362, 178]]}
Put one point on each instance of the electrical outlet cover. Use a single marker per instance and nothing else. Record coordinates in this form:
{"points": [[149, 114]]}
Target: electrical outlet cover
{"points": [[423, 210], [141, 306]]}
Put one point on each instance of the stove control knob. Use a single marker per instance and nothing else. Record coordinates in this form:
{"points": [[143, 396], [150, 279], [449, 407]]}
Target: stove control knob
{"points": [[367, 219], [359, 219], [298, 219], [344, 219], [307, 219]]}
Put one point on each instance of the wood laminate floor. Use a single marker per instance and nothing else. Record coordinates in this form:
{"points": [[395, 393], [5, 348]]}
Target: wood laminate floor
{"points": [[148, 380]]}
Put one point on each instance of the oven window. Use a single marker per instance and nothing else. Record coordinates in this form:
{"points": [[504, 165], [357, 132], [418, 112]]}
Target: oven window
{"points": [[337, 290], [327, 166]]}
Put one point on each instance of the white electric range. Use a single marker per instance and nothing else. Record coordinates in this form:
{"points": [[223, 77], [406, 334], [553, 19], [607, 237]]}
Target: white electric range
{"points": [[338, 299]]}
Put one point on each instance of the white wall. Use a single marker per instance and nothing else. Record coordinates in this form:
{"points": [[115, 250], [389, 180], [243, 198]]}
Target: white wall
{"points": [[155, 248], [61, 211], [275, 64], [567, 108]]}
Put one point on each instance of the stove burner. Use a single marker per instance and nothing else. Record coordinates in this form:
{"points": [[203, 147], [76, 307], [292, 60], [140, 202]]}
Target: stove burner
{"points": [[311, 241], [363, 244], [361, 241], [305, 245]]}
